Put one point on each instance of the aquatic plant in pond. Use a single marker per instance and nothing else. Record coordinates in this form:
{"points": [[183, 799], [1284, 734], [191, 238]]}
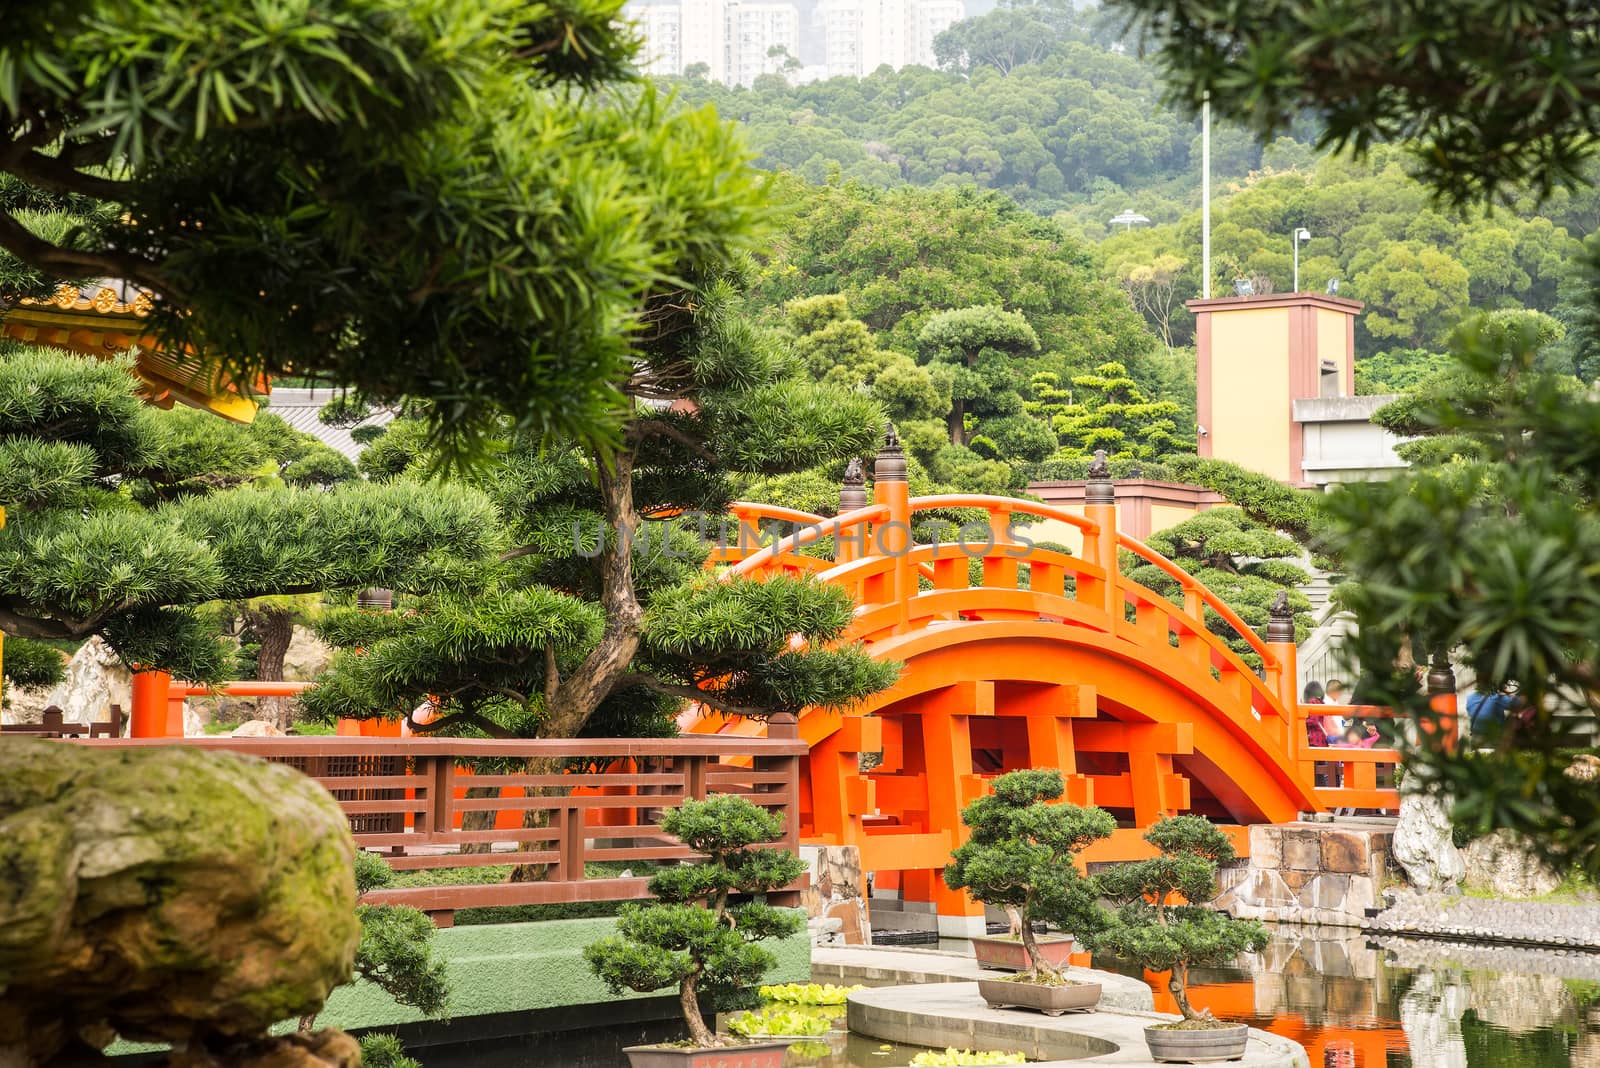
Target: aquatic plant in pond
{"points": [[809, 993], [954, 1057], [775, 1021]]}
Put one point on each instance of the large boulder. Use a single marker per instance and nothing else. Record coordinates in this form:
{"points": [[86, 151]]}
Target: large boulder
{"points": [[96, 679], [164, 894], [1504, 864], [1424, 843]]}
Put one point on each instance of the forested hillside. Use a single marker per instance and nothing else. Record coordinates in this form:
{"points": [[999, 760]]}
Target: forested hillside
{"points": [[1049, 108]]}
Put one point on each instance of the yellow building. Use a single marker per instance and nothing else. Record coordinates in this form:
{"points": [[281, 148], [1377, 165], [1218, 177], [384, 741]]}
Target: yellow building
{"points": [[1256, 356], [1275, 384]]}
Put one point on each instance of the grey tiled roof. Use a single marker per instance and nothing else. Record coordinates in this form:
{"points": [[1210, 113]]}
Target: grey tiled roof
{"points": [[299, 408]]}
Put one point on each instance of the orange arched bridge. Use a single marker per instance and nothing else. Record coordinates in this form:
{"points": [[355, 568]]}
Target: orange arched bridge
{"points": [[1020, 656]]}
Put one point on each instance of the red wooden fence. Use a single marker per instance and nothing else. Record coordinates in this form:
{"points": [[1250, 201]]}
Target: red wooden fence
{"points": [[602, 802]]}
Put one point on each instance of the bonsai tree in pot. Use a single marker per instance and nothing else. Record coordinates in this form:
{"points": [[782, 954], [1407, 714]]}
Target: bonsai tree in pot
{"points": [[691, 936], [1021, 856], [1164, 925]]}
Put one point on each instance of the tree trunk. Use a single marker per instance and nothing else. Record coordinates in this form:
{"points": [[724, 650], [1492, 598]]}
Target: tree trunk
{"points": [[539, 819], [581, 692], [956, 423], [1178, 986], [479, 821], [689, 1004], [1030, 942], [274, 628]]}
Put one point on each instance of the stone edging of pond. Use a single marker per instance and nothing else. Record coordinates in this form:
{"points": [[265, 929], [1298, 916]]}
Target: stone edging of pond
{"points": [[953, 1014], [886, 966], [1478, 919]]}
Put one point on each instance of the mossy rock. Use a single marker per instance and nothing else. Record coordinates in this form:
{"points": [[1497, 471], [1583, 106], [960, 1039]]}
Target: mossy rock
{"points": [[164, 894]]}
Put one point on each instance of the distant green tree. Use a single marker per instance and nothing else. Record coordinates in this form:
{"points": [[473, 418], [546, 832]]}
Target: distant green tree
{"points": [[1398, 370], [1107, 410], [979, 349], [1489, 102]]}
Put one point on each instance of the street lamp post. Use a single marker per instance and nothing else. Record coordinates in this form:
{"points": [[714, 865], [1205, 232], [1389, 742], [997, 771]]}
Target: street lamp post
{"points": [[1301, 234]]}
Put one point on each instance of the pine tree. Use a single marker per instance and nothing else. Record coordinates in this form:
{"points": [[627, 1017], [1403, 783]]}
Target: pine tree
{"points": [[1238, 559], [1107, 410], [124, 521], [411, 197], [1158, 933], [598, 614]]}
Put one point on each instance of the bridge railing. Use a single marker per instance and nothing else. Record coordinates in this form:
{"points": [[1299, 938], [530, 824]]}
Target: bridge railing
{"points": [[1351, 776], [464, 805]]}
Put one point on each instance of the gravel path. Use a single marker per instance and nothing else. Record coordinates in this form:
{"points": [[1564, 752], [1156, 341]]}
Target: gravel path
{"points": [[1488, 920]]}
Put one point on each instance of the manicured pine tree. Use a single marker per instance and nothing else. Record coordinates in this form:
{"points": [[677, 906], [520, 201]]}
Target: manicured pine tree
{"points": [[123, 521], [1154, 930], [693, 936], [1238, 559], [1106, 409], [598, 614], [1021, 856], [979, 349]]}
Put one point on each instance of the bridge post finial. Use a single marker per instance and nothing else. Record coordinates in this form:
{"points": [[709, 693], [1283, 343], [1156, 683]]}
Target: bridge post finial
{"points": [[1280, 620], [853, 490], [1442, 701], [890, 465], [1099, 488], [1441, 675]]}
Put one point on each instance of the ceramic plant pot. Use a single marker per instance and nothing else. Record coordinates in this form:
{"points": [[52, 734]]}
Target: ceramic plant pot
{"points": [[1050, 1000], [761, 1053], [1197, 1047], [1010, 955]]}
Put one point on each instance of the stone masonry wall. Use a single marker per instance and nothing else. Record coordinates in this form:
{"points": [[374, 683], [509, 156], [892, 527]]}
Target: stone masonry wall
{"points": [[1309, 873]]}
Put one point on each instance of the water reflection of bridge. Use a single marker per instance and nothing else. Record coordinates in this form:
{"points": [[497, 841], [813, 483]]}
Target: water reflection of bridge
{"points": [[1353, 1004]]}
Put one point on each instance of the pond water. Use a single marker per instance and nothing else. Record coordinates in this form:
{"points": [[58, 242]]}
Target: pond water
{"points": [[1352, 1004]]}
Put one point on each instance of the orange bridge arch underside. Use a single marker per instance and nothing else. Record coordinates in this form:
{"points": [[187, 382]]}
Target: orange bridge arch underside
{"points": [[1116, 682]]}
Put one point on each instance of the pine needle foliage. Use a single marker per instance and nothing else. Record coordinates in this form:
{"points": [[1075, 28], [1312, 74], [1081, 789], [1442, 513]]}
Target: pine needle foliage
{"points": [[1160, 935], [412, 197], [1239, 560], [692, 937], [598, 615], [123, 520], [1021, 856]]}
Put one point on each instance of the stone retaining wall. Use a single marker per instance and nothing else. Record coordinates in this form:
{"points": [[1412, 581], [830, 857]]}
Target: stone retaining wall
{"points": [[1322, 873]]}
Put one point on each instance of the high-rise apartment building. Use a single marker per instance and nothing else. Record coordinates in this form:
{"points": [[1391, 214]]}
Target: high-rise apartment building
{"points": [[661, 27], [930, 18], [755, 32], [735, 40], [703, 33], [862, 35]]}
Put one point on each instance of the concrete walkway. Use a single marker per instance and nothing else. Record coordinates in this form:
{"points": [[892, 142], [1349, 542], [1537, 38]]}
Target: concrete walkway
{"points": [[953, 1014], [886, 966]]}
